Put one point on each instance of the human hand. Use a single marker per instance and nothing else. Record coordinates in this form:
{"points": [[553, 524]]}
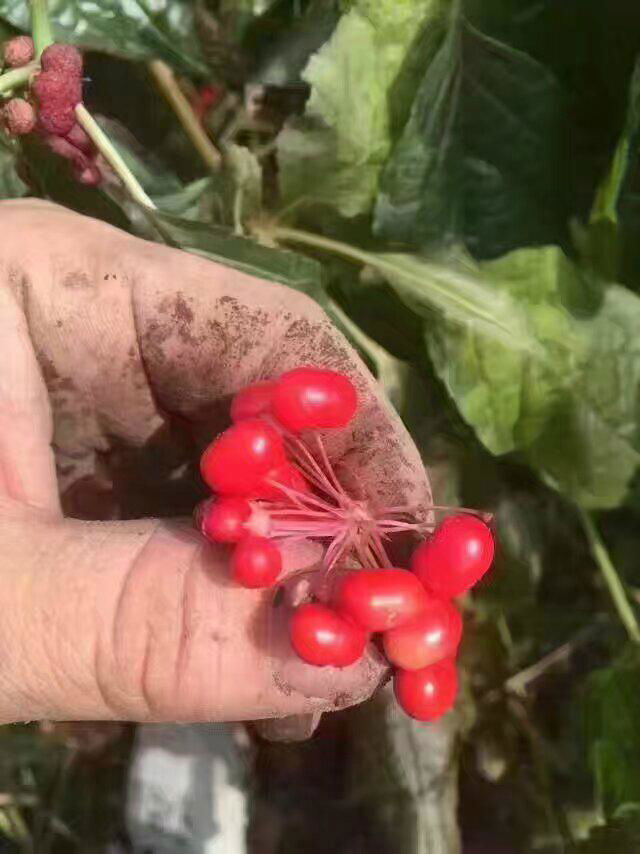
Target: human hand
{"points": [[122, 356]]}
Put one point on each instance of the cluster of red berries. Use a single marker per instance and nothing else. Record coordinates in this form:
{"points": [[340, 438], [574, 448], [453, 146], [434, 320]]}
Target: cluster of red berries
{"points": [[271, 487], [49, 110]]}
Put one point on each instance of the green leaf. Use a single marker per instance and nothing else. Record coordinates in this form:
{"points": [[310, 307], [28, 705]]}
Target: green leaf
{"points": [[392, 373], [612, 726], [241, 253], [335, 154], [616, 837], [11, 185], [530, 376], [139, 29], [479, 158], [611, 238]]}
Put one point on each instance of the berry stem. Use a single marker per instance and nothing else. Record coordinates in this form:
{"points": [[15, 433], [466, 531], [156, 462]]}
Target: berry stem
{"points": [[40, 26], [166, 82], [350, 527], [17, 77], [112, 156], [610, 576]]}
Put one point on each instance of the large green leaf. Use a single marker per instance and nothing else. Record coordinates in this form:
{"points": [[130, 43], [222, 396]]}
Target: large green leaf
{"points": [[613, 733], [220, 244], [480, 158], [334, 156], [527, 373], [138, 29]]}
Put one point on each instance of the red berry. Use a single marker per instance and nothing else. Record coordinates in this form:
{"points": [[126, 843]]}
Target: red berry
{"points": [[57, 94], [63, 148], [286, 474], [206, 99], [256, 562], [19, 116], [19, 51], [79, 138], [252, 401], [322, 637], [310, 398], [62, 57], [429, 693], [223, 520], [90, 176], [456, 556], [379, 599], [237, 462], [432, 636]]}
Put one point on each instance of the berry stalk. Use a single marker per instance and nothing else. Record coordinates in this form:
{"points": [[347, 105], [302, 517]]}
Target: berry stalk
{"points": [[40, 26], [112, 156], [17, 77], [611, 577]]}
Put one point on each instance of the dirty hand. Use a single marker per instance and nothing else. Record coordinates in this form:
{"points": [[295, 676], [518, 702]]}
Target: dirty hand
{"points": [[119, 358]]}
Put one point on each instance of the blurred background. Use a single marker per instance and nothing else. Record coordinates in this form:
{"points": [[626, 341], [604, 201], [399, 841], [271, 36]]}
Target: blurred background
{"points": [[463, 181]]}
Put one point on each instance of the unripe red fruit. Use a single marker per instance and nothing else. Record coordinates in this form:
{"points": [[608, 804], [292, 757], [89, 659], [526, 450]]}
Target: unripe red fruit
{"points": [[223, 520], [19, 51], [19, 116], [288, 476], [90, 175], [432, 636], [379, 599], [57, 94], [61, 146], [78, 137], [256, 562], [239, 459], [310, 398], [252, 401], [321, 637], [62, 57], [456, 556], [427, 694]]}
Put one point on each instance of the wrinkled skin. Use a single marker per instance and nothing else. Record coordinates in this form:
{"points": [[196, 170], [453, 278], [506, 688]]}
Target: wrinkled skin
{"points": [[121, 356]]}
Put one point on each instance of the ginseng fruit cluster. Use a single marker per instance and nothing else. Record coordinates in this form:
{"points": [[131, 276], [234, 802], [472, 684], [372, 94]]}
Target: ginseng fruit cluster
{"points": [[48, 108], [273, 482]]}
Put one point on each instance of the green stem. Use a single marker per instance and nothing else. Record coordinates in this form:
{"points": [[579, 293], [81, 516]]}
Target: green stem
{"points": [[112, 156], [40, 26], [17, 77], [166, 81], [611, 577], [439, 291]]}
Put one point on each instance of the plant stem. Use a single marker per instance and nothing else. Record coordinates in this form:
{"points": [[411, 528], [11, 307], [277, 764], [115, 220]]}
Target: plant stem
{"points": [[611, 577], [17, 77], [112, 156], [40, 26], [166, 82]]}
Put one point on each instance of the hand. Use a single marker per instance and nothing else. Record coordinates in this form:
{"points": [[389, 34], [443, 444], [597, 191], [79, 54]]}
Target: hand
{"points": [[121, 356]]}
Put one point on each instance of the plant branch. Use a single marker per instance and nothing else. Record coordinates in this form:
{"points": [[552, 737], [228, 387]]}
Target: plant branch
{"points": [[17, 77], [40, 26], [166, 82], [112, 156], [611, 577], [520, 682]]}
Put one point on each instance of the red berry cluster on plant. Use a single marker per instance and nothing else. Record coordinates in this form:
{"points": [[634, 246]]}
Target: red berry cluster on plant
{"points": [[50, 109], [273, 482]]}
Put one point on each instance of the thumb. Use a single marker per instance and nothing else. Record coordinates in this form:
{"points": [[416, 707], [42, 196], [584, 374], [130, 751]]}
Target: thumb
{"points": [[136, 621]]}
